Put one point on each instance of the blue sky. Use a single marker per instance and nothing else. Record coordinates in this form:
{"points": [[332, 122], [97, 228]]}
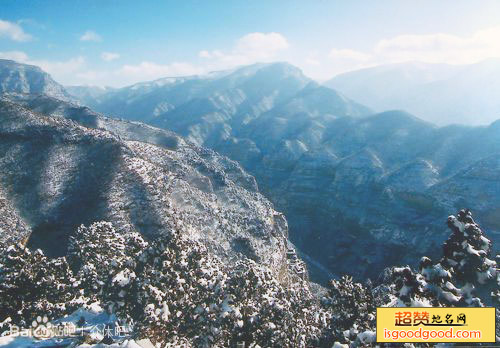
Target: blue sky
{"points": [[121, 42]]}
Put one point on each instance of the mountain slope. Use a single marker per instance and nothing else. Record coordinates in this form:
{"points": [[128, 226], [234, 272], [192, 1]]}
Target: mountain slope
{"points": [[57, 175], [243, 91]]}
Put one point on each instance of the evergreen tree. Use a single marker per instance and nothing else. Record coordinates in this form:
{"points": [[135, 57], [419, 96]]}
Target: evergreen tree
{"points": [[98, 254], [467, 254], [33, 285], [352, 308]]}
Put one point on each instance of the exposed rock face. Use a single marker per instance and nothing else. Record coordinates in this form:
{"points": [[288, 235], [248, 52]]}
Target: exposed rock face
{"points": [[22, 78], [71, 167]]}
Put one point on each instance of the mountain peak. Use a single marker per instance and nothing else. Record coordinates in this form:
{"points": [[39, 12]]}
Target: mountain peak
{"points": [[272, 70], [23, 78]]}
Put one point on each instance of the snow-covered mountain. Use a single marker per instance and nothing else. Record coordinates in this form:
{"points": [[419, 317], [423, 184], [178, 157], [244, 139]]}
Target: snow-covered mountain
{"points": [[438, 93], [23, 78], [232, 98], [64, 165]]}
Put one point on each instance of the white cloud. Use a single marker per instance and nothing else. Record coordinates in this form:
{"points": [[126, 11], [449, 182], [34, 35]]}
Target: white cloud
{"points": [[31, 21], [149, 71], [312, 61], [91, 76], [18, 56], [109, 56], [75, 71], [261, 44], [62, 71], [428, 48], [90, 35], [248, 49], [251, 48], [204, 54], [129, 73], [60, 67], [338, 61], [13, 31], [441, 47]]}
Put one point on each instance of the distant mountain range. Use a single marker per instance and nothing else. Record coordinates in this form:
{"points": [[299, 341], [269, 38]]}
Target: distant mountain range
{"points": [[438, 93], [354, 184]]}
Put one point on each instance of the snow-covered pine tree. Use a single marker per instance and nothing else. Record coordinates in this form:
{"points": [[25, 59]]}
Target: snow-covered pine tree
{"points": [[464, 274], [402, 287], [266, 313], [467, 254], [33, 285], [176, 292], [104, 261], [352, 308], [178, 289], [438, 283], [464, 268]]}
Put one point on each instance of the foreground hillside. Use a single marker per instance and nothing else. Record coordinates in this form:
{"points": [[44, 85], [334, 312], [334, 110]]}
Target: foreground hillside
{"points": [[57, 174], [121, 290]]}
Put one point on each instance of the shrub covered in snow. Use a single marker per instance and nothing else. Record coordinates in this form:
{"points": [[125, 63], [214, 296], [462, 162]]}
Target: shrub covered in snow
{"points": [[33, 285], [98, 254], [174, 292], [352, 309]]}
